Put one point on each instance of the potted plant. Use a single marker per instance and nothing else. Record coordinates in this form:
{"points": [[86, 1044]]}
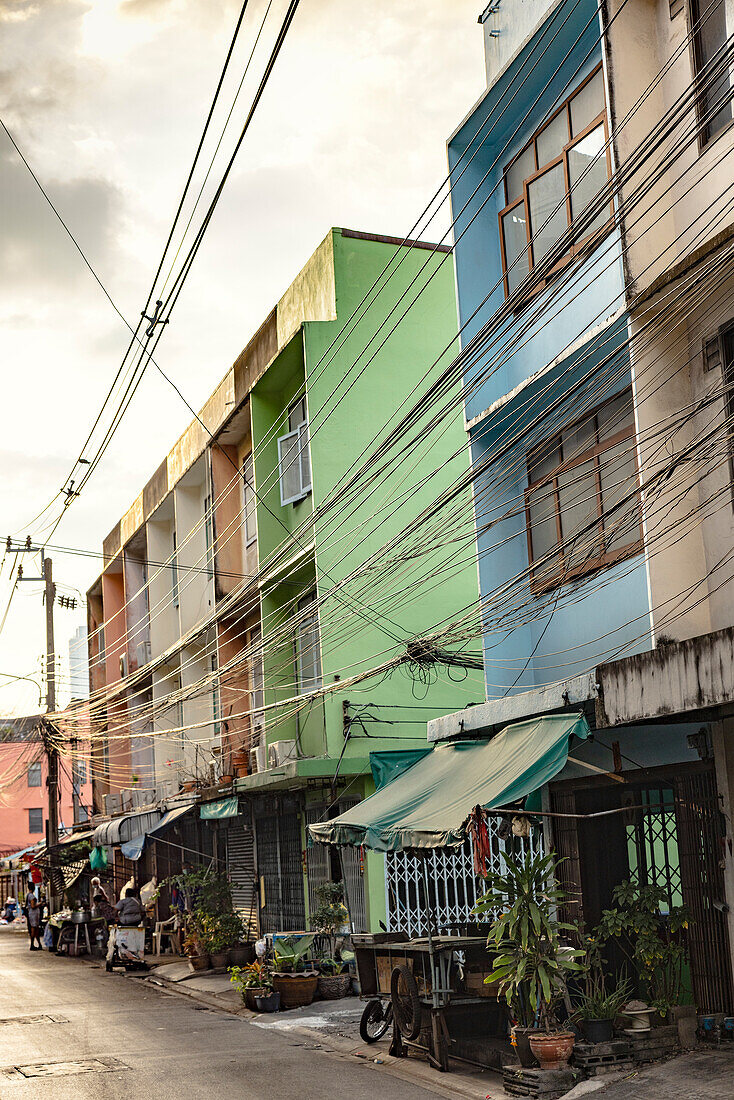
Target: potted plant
{"points": [[330, 916], [193, 948], [335, 981], [530, 962], [252, 981], [651, 934], [598, 1010], [218, 934], [296, 987]]}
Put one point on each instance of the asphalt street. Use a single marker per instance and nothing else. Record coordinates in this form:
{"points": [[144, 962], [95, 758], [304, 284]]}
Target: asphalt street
{"points": [[70, 1031]]}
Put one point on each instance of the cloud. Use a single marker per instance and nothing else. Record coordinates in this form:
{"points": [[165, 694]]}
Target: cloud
{"points": [[35, 252]]}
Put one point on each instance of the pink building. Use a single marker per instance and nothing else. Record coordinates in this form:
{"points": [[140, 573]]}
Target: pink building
{"points": [[23, 790]]}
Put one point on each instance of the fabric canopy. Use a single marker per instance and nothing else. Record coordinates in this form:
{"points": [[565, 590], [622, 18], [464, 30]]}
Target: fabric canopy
{"points": [[224, 807], [124, 828], [427, 806], [388, 765], [133, 849]]}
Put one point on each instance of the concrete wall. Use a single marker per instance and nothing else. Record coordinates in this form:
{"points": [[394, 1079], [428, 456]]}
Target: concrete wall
{"points": [[509, 28]]}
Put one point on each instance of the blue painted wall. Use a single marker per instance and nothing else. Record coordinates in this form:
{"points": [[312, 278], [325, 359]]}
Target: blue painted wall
{"points": [[559, 639]]}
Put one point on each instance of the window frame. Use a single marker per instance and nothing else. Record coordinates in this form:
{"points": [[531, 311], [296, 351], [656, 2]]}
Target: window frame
{"points": [[561, 158], [298, 430], [720, 337], [249, 501], [311, 620], [36, 810], [561, 574], [705, 137], [37, 770]]}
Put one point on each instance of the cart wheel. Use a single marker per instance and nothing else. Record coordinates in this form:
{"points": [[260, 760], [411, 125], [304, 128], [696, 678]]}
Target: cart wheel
{"points": [[375, 1021], [406, 1003]]}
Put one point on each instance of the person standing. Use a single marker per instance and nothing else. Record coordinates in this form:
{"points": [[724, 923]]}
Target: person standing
{"points": [[34, 923]]}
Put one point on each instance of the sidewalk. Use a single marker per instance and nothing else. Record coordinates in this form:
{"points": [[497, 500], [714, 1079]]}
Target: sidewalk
{"points": [[329, 1026]]}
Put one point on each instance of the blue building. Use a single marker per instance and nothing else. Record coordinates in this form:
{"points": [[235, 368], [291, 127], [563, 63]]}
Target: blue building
{"points": [[548, 398]]}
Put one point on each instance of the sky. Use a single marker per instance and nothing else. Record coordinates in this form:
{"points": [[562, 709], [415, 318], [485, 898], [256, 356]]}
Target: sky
{"points": [[107, 100]]}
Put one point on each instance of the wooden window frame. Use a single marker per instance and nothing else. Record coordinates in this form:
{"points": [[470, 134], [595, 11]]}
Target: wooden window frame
{"points": [[723, 334], [705, 138], [561, 575], [562, 157]]}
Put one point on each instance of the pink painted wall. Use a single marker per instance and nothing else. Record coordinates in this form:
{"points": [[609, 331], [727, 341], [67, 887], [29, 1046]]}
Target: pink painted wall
{"points": [[16, 797]]}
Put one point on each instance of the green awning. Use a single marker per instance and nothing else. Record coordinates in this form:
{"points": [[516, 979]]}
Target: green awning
{"points": [[389, 764], [428, 805], [215, 811]]}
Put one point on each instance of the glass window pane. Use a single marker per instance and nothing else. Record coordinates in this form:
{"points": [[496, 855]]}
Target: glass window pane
{"points": [[588, 104], [516, 245], [543, 462], [618, 479], [543, 531], [548, 219], [579, 507], [587, 177], [518, 172], [714, 105], [578, 439], [615, 415], [551, 140]]}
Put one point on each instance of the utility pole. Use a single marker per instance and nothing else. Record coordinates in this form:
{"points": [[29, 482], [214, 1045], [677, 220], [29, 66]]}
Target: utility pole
{"points": [[52, 752]]}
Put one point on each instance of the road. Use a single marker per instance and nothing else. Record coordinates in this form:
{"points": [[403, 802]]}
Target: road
{"points": [[144, 1043]]}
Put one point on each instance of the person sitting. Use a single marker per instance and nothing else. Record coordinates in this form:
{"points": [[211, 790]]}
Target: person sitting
{"points": [[96, 887], [103, 908], [130, 908]]}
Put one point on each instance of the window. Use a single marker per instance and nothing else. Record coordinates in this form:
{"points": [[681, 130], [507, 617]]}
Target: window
{"points": [[579, 512], [293, 457], [711, 63], [257, 685], [174, 571], [79, 773], [209, 533], [553, 183], [718, 353], [34, 775], [216, 696], [35, 821], [308, 644], [248, 499]]}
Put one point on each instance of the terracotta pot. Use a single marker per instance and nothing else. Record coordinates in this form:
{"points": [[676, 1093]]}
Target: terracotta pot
{"points": [[240, 771], [296, 990], [239, 760], [521, 1043], [199, 962], [188, 785], [552, 1051], [250, 993], [241, 954], [225, 781]]}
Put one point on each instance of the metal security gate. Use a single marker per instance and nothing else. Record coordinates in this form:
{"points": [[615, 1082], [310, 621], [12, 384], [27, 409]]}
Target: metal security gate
{"points": [[454, 888], [279, 865], [319, 869], [240, 848], [701, 832]]}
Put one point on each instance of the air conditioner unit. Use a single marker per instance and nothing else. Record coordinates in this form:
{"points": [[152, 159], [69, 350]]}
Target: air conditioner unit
{"points": [[142, 653], [280, 752], [123, 666], [144, 796], [127, 799], [112, 804]]}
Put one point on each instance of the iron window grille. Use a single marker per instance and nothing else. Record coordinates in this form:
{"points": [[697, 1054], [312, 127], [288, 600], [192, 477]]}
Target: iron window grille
{"points": [[308, 644], [35, 821], [294, 461], [582, 504], [551, 183], [34, 775]]}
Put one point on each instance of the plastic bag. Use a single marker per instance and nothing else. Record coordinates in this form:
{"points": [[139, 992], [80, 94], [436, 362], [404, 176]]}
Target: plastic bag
{"points": [[98, 859]]}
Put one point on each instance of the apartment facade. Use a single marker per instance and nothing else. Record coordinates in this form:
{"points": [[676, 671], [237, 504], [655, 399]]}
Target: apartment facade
{"points": [[590, 188], [241, 588]]}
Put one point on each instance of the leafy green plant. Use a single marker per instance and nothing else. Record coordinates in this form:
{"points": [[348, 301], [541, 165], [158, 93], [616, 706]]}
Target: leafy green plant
{"points": [[600, 1005], [530, 962], [218, 932], [256, 975], [331, 913], [331, 966], [653, 941], [289, 951]]}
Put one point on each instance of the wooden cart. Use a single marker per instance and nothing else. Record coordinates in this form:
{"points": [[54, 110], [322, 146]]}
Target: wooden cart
{"points": [[441, 1004]]}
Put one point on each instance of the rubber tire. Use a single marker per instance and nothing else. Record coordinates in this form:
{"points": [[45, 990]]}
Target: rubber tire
{"points": [[381, 1021], [407, 1015]]}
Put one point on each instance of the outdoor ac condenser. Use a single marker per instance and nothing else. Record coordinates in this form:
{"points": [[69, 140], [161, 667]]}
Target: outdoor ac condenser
{"points": [[280, 752], [112, 804], [142, 653]]}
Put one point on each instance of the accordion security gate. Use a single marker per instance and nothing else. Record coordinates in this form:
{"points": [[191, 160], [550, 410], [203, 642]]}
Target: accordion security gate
{"points": [[453, 884]]}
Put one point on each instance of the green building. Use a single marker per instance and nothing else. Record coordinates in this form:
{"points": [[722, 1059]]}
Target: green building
{"points": [[320, 408]]}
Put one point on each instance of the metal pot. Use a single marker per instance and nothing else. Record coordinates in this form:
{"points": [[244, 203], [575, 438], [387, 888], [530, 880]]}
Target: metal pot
{"points": [[80, 916]]}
